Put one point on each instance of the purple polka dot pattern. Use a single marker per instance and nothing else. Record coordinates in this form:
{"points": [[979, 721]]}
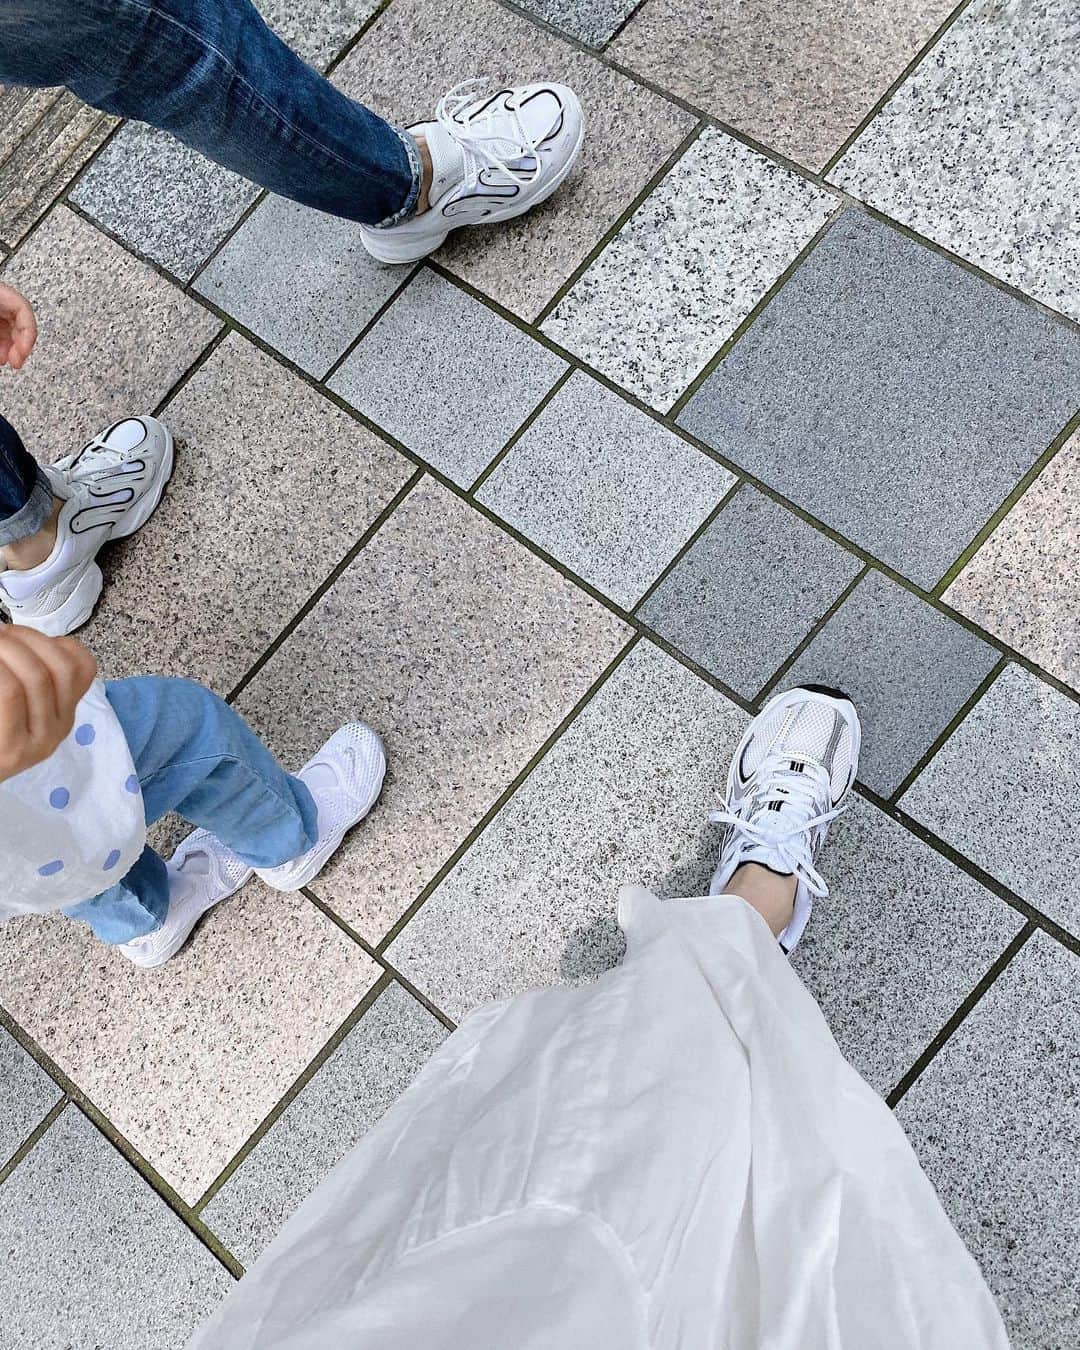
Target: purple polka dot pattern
{"points": [[111, 861], [59, 798], [50, 869], [85, 734], [131, 784]]}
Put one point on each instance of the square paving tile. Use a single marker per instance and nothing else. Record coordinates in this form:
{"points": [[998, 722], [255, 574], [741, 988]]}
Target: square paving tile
{"points": [[465, 651], [114, 337], [976, 149], [908, 668], [317, 29], [590, 21], [273, 485], [798, 77], [605, 489], [622, 796], [92, 1257], [300, 280], [186, 1061], [46, 136], [27, 1095], [688, 267], [419, 48], [166, 201], [447, 376], [1003, 790], [1023, 583], [897, 945], [749, 590], [892, 394], [995, 1120], [365, 1075]]}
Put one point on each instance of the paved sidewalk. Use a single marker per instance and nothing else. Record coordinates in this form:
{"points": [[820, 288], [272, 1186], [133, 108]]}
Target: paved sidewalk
{"points": [[783, 386]]}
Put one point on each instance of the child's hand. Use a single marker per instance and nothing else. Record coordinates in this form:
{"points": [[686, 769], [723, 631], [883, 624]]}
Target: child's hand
{"points": [[41, 681], [18, 327]]}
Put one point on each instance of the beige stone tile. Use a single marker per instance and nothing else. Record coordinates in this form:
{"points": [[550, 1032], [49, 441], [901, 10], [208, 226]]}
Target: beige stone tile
{"points": [[114, 336], [273, 484], [186, 1061], [465, 651], [798, 76], [419, 48], [1023, 584]]}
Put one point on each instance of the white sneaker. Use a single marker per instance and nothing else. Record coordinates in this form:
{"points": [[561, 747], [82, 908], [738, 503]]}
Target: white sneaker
{"points": [[792, 769], [202, 873], [493, 156], [345, 777], [109, 489]]}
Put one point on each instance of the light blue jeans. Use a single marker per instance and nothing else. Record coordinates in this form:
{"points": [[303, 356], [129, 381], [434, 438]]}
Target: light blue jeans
{"points": [[196, 756]]}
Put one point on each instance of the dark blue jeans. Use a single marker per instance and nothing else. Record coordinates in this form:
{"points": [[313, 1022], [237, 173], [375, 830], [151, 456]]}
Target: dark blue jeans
{"points": [[212, 73]]}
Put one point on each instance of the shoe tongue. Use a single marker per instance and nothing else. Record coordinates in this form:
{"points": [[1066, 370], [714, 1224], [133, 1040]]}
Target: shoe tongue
{"points": [[447, 160]]}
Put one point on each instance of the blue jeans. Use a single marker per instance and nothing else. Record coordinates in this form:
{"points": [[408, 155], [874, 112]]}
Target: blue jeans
{"points": [[195, 755], [26, 496]]}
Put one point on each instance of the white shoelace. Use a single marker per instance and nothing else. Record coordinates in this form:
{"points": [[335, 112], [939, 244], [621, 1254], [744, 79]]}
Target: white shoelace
{"points": [[94, 461], [792, 838], [482, 151]]}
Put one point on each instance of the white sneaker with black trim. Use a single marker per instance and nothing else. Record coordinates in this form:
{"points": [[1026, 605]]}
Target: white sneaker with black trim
{"points": [[109, 490], [792, 769], [345, 778], [202, 873], [493, 156]]}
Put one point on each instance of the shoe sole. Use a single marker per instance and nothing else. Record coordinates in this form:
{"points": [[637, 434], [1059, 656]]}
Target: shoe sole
{"points": [[182, 934], [386, 251]]}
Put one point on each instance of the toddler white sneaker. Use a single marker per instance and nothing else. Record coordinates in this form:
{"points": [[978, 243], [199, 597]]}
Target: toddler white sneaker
{"points": [[345, 778], [202, 873], [493, 156], [109, 490]]}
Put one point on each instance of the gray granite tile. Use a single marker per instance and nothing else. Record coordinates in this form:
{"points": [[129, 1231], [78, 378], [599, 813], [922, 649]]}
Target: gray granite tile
{"points": [[186, 1061], [897, 945], [273, 485], [892, 394], [46, 136], [590, 21], [749, 590], [398, 70], [114, 336], [465, 651], [976, 149], [605, 489], [1003, 791], [995, 1120], [317, 29], [622, 796], [798, 75], [27, 1095], [92, 1257], [300, 280], [165, 201], [447, 376], [1023, 584], [908, 668], [365, 1075], [688, 267]]}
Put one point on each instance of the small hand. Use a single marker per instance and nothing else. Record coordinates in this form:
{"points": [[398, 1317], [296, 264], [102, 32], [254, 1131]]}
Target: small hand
{"points": [[41, 682], [18, 327]]}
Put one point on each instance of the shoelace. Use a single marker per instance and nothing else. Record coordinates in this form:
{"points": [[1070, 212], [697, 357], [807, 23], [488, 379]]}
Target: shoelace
{"points": [[800, 791], [93, 461], [484, 151]]}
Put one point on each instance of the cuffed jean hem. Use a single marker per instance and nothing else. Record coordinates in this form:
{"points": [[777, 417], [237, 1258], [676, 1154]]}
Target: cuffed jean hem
{"points": [[416, 164], [31, 517]]}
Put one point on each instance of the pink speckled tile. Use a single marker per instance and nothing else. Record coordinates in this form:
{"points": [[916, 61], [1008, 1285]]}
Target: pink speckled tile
{"points": [[186, 1060], [465, 651], [114, 336]]}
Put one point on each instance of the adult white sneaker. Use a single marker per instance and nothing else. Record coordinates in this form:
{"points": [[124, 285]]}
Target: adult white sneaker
{"points": [[792, 769], [493, 156], [202, 873], [109, 490], [345, 778]]}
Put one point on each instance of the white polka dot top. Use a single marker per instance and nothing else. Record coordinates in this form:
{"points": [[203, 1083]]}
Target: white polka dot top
{"points": [[73, 825]]}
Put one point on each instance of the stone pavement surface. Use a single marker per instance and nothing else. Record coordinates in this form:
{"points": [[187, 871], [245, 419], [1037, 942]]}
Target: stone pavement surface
{"points": [[783, 386]]}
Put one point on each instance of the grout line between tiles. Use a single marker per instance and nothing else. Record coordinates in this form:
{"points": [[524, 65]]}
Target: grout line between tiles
{"points": [[975, 996], [32, 1139], [493, 463], [685, 548], [409, 275]]}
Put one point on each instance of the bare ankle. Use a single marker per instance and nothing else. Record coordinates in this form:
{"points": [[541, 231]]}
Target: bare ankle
{"points": [[770, 893], [26, 553], [427, 172]]}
